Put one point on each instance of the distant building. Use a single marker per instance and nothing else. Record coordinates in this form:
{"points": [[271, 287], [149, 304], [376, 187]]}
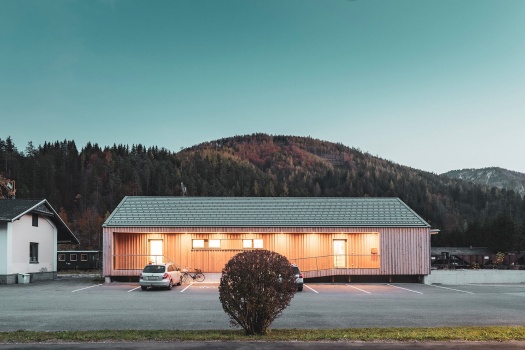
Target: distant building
{"points": [[473, 258], [349, 238], [30, 230]]}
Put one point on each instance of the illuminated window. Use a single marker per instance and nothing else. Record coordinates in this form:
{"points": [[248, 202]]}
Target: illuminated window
{"points": [[61, 257], [214, 243], [252, 243], [198, 243], [83, 257], [73, 257]]}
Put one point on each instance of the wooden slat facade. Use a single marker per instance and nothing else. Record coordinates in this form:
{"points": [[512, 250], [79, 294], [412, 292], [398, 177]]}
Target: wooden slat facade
{"points": [[368, 251]]}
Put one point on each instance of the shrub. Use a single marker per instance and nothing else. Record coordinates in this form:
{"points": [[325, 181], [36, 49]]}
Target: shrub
{"points": [[255, 287]]}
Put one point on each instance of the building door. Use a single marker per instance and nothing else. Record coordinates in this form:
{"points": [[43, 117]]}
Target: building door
{"points": [[155, 251], [339, 252]]}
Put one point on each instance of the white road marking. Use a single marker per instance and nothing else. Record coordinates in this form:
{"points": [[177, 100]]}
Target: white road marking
{"points": [[457, 290], [73, 291], [131, 290], [186, 287], [313, 290], [364, 291], [410, 290]]}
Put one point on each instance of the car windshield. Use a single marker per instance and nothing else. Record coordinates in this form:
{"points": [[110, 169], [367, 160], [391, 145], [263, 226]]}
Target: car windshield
{"points": [[154, 268], [295, 270]]}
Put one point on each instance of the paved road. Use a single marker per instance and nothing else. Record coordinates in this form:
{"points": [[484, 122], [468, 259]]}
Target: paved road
{"points": [[73, 304], [81, 304]]}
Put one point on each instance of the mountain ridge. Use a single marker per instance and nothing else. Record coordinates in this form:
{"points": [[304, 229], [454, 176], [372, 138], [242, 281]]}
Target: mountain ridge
{"points": [[86, 185], [493, 177]]}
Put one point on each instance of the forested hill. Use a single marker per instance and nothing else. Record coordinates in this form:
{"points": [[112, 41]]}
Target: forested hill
{"points": [[86, 185]]}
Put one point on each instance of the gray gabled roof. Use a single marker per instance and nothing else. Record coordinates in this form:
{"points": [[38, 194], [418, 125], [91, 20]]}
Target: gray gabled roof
{"points": [[263, 212], [14, 209]]}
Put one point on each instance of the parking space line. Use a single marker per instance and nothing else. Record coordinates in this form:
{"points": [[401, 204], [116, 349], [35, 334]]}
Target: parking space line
{"points": [[313, 290], [186, 287], [131, 290], [73, 291], [410, 290], [364, 291], [457, 290]]}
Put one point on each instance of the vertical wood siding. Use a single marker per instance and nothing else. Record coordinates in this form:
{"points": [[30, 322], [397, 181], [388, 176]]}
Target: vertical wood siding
{"points": [[399, 251]]}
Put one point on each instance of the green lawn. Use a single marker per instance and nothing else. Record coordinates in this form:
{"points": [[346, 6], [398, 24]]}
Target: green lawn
{"points": [[496, 333]]}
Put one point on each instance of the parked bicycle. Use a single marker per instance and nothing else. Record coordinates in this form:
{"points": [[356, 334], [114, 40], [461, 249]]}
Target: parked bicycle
{"points": [[186, 275]]}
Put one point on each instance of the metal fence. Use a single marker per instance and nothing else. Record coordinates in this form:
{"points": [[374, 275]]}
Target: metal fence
{"points": [[349, 261], [137, 262]]}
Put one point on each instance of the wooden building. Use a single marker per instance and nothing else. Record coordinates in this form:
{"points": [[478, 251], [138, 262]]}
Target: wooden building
{"points": [[325, 236]]}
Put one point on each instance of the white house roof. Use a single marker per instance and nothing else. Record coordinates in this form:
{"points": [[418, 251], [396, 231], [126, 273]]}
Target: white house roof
{"points": [[263, 212], [14, 209]]}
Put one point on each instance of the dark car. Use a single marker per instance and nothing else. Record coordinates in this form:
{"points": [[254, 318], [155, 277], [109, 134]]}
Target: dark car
{"points": [[298, 277]]}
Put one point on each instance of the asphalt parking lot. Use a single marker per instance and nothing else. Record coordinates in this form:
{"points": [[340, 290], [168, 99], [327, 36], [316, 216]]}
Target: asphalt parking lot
{"points": [[82, 304]]}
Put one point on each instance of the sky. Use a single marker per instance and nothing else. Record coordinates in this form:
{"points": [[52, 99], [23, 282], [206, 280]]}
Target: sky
{"points": [[436, 85]]}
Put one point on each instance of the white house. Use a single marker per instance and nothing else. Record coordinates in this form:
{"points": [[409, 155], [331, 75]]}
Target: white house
{"points": [[30, 230]]}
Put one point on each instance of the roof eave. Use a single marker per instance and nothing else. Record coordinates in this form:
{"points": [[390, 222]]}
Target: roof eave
{"points": [[28, 210], [271, 226]]}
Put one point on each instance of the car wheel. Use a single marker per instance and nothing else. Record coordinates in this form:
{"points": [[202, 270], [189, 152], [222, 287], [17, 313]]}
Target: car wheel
{"points": [[180, 282], [143, 287], [170, 285], [300, 288]]}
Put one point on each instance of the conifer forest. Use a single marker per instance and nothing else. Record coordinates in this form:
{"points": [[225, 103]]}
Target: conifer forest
{"points": [[85, 184]]}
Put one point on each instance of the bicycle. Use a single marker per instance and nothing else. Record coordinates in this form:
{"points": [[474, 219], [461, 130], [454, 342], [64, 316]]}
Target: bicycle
{"points": [[186, 275]]}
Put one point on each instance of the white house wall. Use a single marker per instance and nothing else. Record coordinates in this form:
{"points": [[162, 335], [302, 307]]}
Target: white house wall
{"points": [[23, 233], [5, 259]]}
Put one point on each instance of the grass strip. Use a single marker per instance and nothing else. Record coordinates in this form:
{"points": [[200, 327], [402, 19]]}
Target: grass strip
{"points": [[493, 333]]}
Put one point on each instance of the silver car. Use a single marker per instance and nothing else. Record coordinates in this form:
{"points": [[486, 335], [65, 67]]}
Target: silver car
{"points": [[159, 276]]}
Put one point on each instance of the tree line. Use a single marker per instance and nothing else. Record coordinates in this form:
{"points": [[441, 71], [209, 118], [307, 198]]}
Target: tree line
{"points": [[86, 185]]}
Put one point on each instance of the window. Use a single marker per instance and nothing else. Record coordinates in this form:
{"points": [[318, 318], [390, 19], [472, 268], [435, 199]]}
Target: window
{"points": [[258, 243], [154, 269], [246, 243], [198, 243], [73, 257], [61, 257], [35, 220], [33, 252], [206, 244], [252, 243], [83, 257], [214, 243], [226, 244]]}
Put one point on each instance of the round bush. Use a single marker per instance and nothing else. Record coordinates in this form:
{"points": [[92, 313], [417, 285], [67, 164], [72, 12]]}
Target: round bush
{"points": [[255, 287]]}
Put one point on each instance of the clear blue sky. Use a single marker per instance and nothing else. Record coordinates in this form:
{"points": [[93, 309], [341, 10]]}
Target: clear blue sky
{"points": [[433, 84]]}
